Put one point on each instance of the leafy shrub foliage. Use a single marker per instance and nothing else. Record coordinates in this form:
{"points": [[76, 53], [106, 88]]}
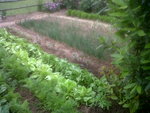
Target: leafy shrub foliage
{"points": [[133, 60], [91, 16], [71, 4], [52, 6], [95, 6]]}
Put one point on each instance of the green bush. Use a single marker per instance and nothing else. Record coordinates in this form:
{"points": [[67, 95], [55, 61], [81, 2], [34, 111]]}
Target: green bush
{"points": [[70, 4], [133, 60], [86, 5], [95, 6], [91, 16]]}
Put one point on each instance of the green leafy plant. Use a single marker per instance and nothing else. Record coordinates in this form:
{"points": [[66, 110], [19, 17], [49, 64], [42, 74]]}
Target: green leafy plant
{"points": [[132, 59], [58, 92], [10, 101]]}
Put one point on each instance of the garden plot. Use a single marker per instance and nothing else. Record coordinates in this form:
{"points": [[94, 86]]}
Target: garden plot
{"points": [[104, 29], [62, 50], [75, 39], [59, 85], [78, 35]]}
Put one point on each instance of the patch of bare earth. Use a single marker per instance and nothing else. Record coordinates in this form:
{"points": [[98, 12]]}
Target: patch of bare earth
{"points": [[62, 50]]}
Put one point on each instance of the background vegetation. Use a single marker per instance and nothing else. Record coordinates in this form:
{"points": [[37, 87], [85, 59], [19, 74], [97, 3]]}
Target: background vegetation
{"points": [[8, 5], [91, 16]]}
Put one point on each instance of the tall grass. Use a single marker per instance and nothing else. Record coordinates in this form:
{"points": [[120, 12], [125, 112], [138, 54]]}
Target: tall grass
{"points": [[72, 35]]}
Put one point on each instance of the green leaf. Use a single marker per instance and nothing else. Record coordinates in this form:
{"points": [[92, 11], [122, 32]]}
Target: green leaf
{"points": [[129, 86], [139, 89], [5, 109], [126, 105], [114, 97], [3, 101], [141, 33], [147, 87], [123, 7], [147, 46], [145, 61], [119, 2], [133, 91], [2, 89], [146, 68]]}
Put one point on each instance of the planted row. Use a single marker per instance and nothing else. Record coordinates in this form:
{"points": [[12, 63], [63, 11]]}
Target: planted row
{"points": [[28, 66], [9, 100], [73, 35], [91, 16]]}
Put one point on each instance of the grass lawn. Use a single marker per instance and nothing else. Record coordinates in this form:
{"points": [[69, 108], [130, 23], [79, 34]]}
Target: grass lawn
{"points": [[19, 4]]}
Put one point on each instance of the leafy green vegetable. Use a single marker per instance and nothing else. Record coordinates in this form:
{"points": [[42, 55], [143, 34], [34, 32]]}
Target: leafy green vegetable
{"points": [[60, 85]]}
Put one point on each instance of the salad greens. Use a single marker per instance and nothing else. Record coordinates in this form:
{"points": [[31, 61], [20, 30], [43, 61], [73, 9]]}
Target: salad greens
{"points": [[61, 86]]}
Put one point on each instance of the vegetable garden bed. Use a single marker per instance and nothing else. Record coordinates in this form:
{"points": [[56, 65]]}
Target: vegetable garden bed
{"points": [[61, 86], [84, 40]]}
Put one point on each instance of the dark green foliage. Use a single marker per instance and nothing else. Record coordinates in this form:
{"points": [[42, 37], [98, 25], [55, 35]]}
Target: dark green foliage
{"points": [[71, 4], [133, 60], [94, 6], [91, 16], [86, 5]]}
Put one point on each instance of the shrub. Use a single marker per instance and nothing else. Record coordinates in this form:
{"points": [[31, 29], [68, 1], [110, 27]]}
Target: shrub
{"points": [[133, 60], [95, 6], [52, 6], [91, 16], [71, 4], [86, 5]]}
